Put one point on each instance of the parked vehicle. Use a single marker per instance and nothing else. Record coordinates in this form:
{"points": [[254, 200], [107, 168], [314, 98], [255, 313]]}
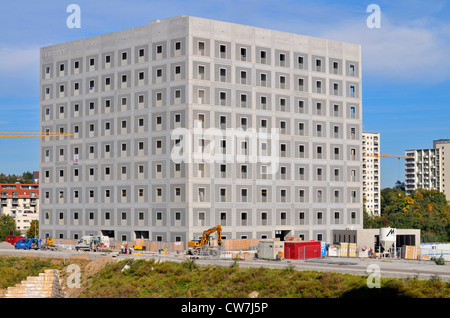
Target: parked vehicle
{"points": [[13, 239], [27, 243], [93, 243], [49, 245], [202, 246]]}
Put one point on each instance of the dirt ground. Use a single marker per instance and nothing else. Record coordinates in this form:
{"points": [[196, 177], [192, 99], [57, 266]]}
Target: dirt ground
{"points": [[87, 269]]}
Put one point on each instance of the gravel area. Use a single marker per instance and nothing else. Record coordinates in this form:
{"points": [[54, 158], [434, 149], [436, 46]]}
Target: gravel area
{"points": [[6, 246]]}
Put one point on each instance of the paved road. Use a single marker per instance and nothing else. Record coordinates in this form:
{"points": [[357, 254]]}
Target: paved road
{"points": [[384, 267], [391, 268]]}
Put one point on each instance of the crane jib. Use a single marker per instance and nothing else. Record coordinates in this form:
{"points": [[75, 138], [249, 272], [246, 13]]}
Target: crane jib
{"points": [[34, 134]]}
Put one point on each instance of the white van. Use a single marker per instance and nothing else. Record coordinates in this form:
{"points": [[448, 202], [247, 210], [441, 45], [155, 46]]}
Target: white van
{"points": [[93, 243]]}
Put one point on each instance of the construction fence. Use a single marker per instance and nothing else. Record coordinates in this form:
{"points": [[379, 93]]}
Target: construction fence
{"points": [[169, 247], [348, 250], [435, 250], [144, 245], [351, 250]]}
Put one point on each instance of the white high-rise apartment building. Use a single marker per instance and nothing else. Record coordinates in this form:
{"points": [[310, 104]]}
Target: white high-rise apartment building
{"points": [[21, 201], [426, 168], [371, 172], [442, 146], [421, 170], [133, 99]]}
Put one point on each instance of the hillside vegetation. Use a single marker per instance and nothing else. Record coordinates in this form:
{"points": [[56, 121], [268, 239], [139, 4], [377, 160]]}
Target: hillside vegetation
{"points": [[152, 279], [26, 178], [426, 210]]}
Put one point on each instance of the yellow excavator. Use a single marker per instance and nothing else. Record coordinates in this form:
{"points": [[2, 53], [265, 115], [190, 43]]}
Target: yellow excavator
{"points": [[203, 246], [49, 245]]}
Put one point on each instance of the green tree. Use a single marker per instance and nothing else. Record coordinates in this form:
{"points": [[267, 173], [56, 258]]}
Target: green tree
{"points": [[392, 201], [400, 185], [373, 221], [27, 177], [426, 210], [7, 224], [33, 231]]}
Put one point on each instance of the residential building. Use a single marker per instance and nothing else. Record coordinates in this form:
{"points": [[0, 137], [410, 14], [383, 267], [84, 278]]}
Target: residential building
{"points": [[21, 201], [442, 147], [371, 172], [426, 168], [133, 98], [35, 176]]}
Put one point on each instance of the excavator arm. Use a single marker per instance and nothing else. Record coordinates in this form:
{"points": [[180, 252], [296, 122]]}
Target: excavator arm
{"points": [[207, 233], [205, 237]]}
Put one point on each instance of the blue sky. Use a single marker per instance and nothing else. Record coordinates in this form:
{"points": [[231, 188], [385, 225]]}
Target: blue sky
{"points": [[405, 62]]}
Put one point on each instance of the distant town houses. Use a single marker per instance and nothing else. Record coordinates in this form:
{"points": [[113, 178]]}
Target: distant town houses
{"points": [[21, 201]]}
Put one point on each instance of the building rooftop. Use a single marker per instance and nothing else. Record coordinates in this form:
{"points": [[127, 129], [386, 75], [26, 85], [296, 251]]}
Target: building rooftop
{"points": [[23, 190]]}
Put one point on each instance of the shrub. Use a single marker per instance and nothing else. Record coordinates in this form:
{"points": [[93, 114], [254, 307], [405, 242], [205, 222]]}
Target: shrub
{"points": [[190, 280], [189, 264], [439, 260]]}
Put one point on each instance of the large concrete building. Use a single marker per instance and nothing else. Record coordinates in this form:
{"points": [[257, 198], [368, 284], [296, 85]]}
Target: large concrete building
{"points": [[133, 99], [425, 168], [371, 172]]}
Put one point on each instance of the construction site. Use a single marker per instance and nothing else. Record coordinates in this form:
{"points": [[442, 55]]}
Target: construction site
{"points": [[116, 109], [384, 243], [346, 258]]}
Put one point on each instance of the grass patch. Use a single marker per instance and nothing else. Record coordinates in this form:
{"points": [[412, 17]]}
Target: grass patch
{"points": [[149, 278], [15, 269], [153, 279]]}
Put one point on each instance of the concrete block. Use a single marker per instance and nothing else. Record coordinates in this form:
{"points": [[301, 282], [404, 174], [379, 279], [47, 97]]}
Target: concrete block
{"points": [[45, 285]]}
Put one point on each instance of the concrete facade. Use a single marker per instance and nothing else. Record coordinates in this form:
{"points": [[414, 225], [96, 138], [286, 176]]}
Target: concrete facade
{"points": [[426, 168], [442, 146], [127, 97], [371, 172]]}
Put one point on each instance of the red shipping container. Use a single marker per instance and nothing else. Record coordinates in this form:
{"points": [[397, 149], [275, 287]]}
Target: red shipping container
{"points": [[13, 239], [302, 250]]}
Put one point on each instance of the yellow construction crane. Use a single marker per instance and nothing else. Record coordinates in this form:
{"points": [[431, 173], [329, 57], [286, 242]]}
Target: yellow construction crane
{"points": [[384, 155], [33, 134]]}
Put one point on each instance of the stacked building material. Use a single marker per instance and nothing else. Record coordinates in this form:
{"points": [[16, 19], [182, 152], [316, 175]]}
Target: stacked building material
{"points": [[46, 285]]}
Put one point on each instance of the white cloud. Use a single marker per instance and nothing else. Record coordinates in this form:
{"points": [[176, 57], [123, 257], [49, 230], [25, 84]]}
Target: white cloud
{"points": [[412, 45], [19, 71], [16, 58], [415, 52]]}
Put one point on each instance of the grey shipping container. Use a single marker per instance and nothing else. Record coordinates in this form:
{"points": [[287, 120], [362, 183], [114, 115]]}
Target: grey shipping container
{"points": [[271, 250]]}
